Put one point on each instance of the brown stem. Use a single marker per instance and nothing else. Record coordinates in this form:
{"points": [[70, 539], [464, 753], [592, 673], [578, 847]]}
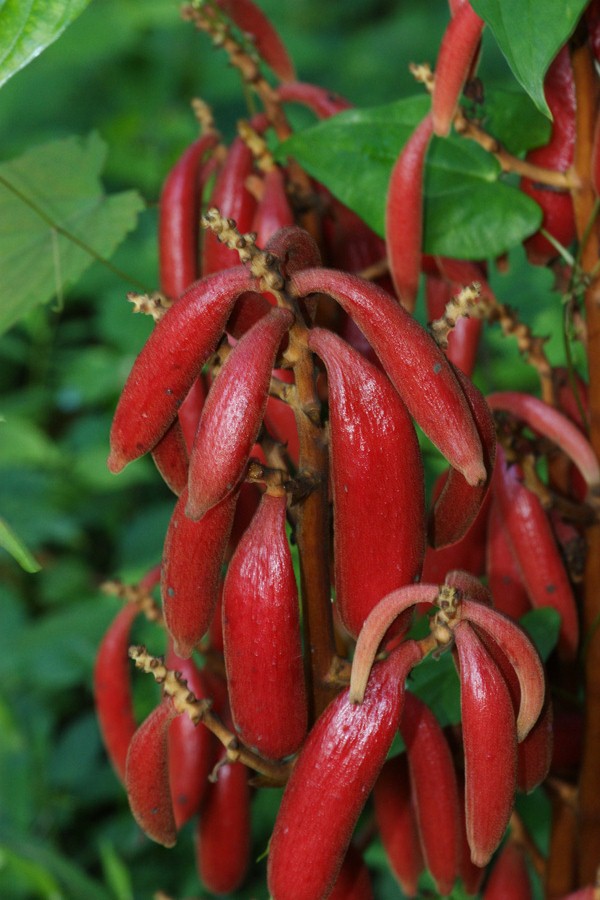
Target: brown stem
{"points": [[588, 837]]}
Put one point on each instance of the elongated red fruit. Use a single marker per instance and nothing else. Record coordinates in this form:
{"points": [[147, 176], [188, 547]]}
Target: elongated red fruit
{"points": [[169, 362], [322, 102], [170, 456], [534, 753], [223, 835], [395, 817], [372, 441], [490, 745], [233, 413], [147, 775], [330, 783], [539, 560], [261, 635], [463, 340], [459, 502], [509, 877], [112, 689], [233, 199], [274, 210], [190, 411], [467, 553], [192, 558], [457, 51], [404, 214], [179, 219], [434, 791], [192, 748], [504, 576], [557, 154], [414, 363], [353, 881], [269, 46]]}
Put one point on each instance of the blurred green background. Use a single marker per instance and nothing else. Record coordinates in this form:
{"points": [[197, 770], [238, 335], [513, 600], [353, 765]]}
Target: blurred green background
{"points": [[128, 71]]}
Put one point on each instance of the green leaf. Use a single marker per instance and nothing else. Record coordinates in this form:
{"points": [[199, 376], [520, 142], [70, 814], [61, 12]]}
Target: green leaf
{"points": [[470, 212], [28, 28], [10, 542], [116, 873], [512, 118], [55, 219], [530, 34], [542, 625]]}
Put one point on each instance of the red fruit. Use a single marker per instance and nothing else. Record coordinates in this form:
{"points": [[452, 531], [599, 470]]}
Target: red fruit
{"points": [[434, 791], [509, 877], [372, 440], [490, 747], [147, 775], [170, 456], [469, 586], [414, 363], [468, 553], [459, 502], [353, 881], [233, 413], [539, 560], [558, 154], [179, 219], [192, 558], [457, 51], [190, 410], [404, 214], [258, 28], [534, 753], [223, 835], [504, 576], [112, 689], [170, 361], [322, 102], [333, 776], [463, 340], [274, 210], [191, 749], [397, 825], [261, 635]]}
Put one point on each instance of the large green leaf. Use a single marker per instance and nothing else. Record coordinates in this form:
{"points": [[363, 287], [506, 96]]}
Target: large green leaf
{"points": [[28, 26], [13, 544], [470, 212], [55, 219], [530, 33]]}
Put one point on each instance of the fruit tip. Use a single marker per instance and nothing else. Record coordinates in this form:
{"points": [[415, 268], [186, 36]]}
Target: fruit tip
{"points": [[115, 462], [475, 473]]}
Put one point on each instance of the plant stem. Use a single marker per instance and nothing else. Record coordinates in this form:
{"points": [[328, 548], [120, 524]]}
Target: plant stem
{"points": [[588, 840]]}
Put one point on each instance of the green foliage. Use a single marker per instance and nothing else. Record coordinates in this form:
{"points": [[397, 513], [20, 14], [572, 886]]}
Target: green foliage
{"points": [[470, 210], [530, 34], [28, 28]]}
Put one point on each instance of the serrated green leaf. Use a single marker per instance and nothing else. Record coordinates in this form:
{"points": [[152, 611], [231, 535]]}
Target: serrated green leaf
{"points": [[28, 28], [470, 212], [55, 219], [13, 544], [530, 34]]}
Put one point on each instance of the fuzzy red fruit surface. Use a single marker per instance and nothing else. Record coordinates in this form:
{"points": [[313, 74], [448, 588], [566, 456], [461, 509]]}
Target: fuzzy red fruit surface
{"points": [[170, 457], [330, 783], [353, 881], [147, 775], [261, 637], [457, 51], [112, 689], [192, 558], [373, 442], [395, 817], [233, 413], [509, 877], [490, 745]]}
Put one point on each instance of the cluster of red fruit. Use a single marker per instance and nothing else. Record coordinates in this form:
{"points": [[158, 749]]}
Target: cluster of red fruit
{"points": [[273, 363]]}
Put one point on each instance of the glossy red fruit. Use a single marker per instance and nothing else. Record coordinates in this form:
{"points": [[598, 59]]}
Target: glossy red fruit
{"points": [[147, 775], [329, 785], [170, 456], [223, 838], [192, 748], [490, 745], [192, 558], [504, 576], [232, 414], [557, 206], [112, 689], [509, 876], [468, 553], [259, 29], [322, 102], [539, 560], [353, 881], [274, 210], [457, 51], [434, 791], [404, 214], [412, 360], [261, 636], [372, 440], [395, 817], [190, 410], [170, 361], [179, 219]]}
